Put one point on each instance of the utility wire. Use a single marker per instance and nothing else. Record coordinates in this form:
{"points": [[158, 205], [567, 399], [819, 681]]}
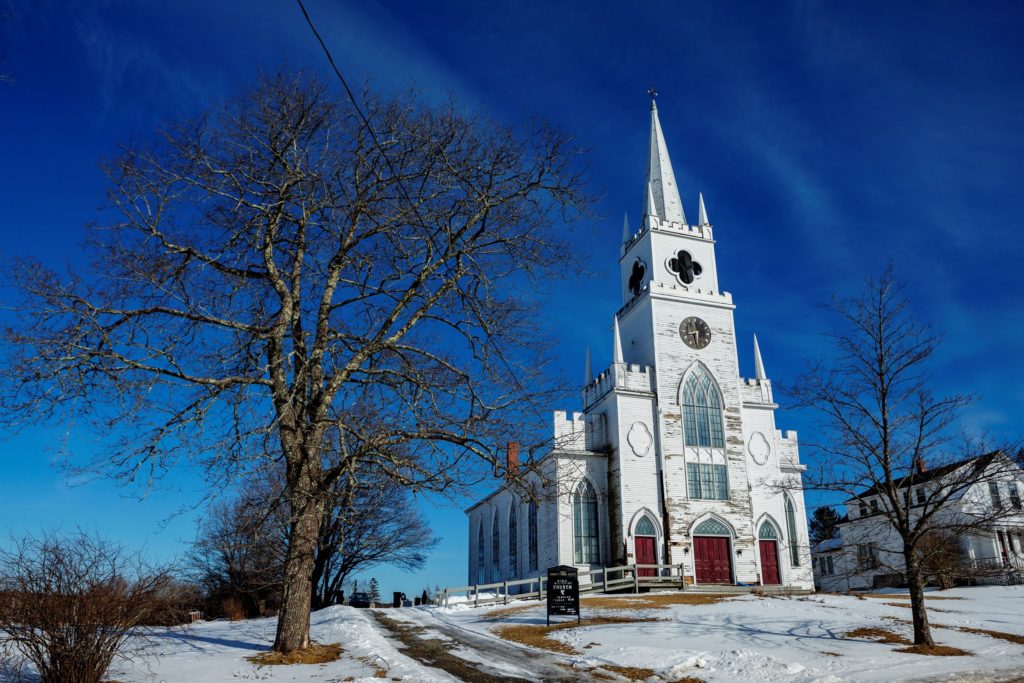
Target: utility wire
{"points": [[401, 187]]}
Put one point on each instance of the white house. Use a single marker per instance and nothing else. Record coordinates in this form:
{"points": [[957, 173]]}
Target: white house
{"points": [[868, 552], [674, 459]]}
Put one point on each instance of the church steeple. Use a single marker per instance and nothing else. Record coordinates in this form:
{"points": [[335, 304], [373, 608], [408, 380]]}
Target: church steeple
{"points": [[758, 363], [661, 196]]}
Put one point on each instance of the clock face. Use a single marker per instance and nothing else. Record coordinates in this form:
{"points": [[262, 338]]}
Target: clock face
{"points": [[695, 333]]}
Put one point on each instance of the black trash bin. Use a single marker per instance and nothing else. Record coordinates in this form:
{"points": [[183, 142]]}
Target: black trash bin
{"points": [[396, 600]]}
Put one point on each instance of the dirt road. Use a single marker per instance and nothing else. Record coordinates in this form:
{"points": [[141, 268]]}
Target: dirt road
{"points": [[472, 657]]}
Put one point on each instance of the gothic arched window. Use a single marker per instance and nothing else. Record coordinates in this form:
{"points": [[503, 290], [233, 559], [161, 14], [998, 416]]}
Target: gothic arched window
{"points": [[702, 410], [495, 549], [794, 547], [645, 527], [584, 517], [513, 541], [532, 531], [481, 563]]}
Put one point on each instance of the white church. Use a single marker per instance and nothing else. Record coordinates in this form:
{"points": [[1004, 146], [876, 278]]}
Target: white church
{"points": [[675, 458]]}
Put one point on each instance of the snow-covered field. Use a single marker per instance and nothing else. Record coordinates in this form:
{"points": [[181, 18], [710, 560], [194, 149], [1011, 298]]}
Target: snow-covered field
{"points": [[751, 638], [745, 638]]}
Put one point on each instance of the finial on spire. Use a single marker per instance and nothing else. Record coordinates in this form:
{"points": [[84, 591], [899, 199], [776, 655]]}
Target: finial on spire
{"points": [[661, 199], [654, 94], [758, 363], [702, 215], [617, 341], [588, 370], [626, 232]]}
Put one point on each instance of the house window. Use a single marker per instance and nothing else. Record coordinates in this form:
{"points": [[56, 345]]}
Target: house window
{"points": [[532, 531], [828, 569], [867, 558], [794, 547], [863, 508], [1014, 496], [584, 515], [481, 563], [920, 496], [874, 505], [708, 482], [495, 549], [513, 541], [702, 411], [993, 490]]}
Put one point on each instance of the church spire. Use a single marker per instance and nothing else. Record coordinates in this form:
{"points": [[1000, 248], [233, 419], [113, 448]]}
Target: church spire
{"points": [[588, 370], [626, 232], [661, 198], [758, 363], [702, 214], [616, 341]]}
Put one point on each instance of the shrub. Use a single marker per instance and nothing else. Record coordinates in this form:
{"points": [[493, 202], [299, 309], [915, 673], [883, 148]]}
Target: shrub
{"points": [[70, 605]]}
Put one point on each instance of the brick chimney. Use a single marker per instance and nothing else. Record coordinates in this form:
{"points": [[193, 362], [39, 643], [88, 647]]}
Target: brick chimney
{"points": [[511, 459], [919, 465]]}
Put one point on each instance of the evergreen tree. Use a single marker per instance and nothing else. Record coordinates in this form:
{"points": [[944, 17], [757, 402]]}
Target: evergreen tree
{"points": [[824, 524], [374, 591]]}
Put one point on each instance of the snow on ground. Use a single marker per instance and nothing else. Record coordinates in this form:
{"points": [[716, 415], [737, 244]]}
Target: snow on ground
{"points": [[799, 639], [215, 651]]}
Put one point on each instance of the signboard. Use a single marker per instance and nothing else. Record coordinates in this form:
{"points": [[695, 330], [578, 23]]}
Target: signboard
{"points": [[563, 592]]}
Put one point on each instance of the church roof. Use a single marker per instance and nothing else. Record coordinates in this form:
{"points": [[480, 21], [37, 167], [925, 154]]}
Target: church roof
{"points": [[661, 195]]}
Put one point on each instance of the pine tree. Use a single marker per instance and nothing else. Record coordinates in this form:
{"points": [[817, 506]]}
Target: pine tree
{"points": [[374, 591], [824, 524]]}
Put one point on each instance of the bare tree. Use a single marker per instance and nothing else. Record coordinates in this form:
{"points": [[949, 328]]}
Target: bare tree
{"points": [[71, 605], [238, 558], [890, 440], [286, 280], [370, 521]]}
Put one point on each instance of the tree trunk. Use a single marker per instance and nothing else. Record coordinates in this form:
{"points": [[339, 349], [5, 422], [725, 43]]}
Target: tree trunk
{"points": [[915, 583], [293, 621]]}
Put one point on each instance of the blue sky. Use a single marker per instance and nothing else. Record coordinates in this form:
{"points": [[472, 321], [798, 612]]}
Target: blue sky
{"points": [[827, 138]]}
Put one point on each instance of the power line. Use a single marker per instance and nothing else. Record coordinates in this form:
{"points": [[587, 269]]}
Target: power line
{"points": [[401, 186]]}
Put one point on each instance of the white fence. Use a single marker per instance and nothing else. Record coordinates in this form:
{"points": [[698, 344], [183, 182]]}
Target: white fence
{"points": [[626, 577]]}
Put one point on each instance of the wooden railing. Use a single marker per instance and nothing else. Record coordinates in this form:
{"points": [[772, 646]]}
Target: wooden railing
{"points": [[606, 579]]}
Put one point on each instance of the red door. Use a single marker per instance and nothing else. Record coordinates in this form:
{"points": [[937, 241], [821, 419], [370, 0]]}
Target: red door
{"points": [[711, 557], [769, 564], [645, 554]]}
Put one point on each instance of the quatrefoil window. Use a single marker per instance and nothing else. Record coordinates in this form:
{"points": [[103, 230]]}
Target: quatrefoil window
{"points": [[684, 267], [636, 278]]}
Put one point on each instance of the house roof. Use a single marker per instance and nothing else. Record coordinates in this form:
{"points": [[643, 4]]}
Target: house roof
{"points": [[827, 545], [915, 478]]}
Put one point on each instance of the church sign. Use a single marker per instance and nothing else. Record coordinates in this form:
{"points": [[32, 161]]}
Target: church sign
{"points": [[563, 592]]}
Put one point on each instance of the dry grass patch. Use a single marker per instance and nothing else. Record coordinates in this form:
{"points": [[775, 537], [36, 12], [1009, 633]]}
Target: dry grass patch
{"points": [[831, 654], [511, 611], [1009, 637], [651, 601], [535, 635], [314, 654], [935, 651], [879, 635], [898, 596], [633, 673]]}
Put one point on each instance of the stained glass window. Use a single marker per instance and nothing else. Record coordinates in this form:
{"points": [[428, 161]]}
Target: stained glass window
{"points": [[794, 547], [584, 508], [702, 411], [532, 531], [711, 527], [706, 481], [513, 541], [480, 561], [495, 549], [768, 532], [645, 527]]}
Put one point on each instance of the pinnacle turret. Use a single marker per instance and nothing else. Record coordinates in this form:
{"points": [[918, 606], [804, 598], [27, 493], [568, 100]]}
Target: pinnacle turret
{"points": [[661, 198], [702, 214], [758, 363], [588, 370], [616, 342], [626, 232]]}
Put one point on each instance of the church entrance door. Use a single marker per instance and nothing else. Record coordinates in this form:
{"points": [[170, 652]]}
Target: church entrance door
{"points": [[645, 554], [769, 563], [712, 560]]}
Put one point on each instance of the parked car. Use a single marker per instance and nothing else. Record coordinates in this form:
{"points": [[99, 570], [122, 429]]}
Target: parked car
{"points": [[360, 599]]}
